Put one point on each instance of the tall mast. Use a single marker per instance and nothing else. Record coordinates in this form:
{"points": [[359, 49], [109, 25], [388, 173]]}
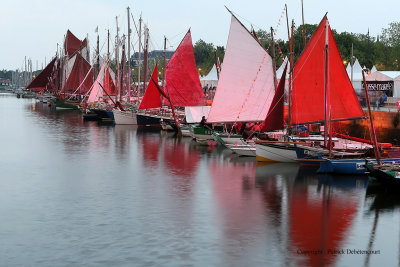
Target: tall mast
{"points": [[290, 72], [116, 59], [326, 83], [108, 45], [291, 78], [140, 53], [304, 30], [216, 63], [129, 55], [123, 69], [145, 59], [25, 76], [98, 54], [165, 62], [273, 58], [372, 130], [351, 63]]}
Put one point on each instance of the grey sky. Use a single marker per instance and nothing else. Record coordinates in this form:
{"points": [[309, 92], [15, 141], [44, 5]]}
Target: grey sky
{"points": [[33, 28]]}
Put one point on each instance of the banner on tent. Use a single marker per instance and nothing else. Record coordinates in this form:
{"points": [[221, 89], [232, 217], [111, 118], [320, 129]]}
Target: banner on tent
{"points": [[386, 86]]}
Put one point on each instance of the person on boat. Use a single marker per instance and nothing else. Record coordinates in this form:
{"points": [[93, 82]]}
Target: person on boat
{"points": [[203, 121]]}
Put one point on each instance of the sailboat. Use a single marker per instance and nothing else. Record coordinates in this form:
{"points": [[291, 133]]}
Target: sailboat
{"points": [[246, 83], [182, 84], [77, 73], [321, 87], [151, 99]]}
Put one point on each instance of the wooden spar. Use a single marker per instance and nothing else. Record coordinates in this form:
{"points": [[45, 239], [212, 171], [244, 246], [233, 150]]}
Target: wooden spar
{"points": [[165, 62], [304, 30], [117, 62], [172, 106], [123, 69], [129, 55], [330, 133], [105, 91], [140, 53], [108, 45], [291, 39], [372, 130], [216, 63], [326, 84], [98, 55], [273, 58], [145, 56]]}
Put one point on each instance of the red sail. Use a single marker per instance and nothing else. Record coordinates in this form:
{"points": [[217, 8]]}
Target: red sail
{"points": [[182, 81], [43, 79], [274, 119], [109, 85], [73, 44], [151, 98], [309, 82], [81, 75]]}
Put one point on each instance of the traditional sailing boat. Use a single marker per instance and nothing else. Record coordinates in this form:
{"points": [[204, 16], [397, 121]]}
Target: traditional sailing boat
{"points": [[246, 83], [320, 85], [182, 83], [77, 73]]}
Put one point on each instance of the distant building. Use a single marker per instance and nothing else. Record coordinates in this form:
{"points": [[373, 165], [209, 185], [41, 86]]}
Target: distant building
{"points": [[5, 82]]}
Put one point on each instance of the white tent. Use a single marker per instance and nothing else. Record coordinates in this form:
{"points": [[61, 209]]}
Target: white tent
{"points": [[373, 69], [357, 76], [211, 79]]}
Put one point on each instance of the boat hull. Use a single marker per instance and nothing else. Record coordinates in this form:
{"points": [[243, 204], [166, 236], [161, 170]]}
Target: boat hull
{"points": [[61, 104], [243, 150], [148, 120], [349, 166], [124, 117], [275, 152]]}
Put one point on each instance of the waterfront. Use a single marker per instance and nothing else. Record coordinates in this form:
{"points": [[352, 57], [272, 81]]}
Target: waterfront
{"points": [[76, 193]]}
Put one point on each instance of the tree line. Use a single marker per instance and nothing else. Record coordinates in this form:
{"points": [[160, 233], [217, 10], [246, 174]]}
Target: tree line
{"points": [[383, 51]]}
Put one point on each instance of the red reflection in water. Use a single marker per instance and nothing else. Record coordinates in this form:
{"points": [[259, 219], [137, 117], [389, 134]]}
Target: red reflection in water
{"points": [[320, 220], [236, 200], [150, 147], [179, 159]]}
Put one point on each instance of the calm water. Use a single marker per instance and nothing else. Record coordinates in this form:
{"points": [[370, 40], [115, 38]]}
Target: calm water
{"points": [[76, 193]]}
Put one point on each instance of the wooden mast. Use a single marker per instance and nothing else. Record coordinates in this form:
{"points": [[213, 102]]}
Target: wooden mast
{"points": [[117, 61], [129, 56], [145, 56], [216, 63], [291, 79], [165, 62], [326, 84], [290, 70], [304, 30], [273, 58], [372, 130], [140, 53]]}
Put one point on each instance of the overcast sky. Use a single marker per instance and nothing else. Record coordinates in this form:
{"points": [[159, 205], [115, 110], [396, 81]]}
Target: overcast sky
{"points": [[33, 28]]}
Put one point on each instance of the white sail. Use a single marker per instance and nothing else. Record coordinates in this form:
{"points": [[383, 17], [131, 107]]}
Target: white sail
{"points": [[245, 87]]}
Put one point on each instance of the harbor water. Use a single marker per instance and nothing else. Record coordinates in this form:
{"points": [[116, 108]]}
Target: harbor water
{"points": [[75, 193]]}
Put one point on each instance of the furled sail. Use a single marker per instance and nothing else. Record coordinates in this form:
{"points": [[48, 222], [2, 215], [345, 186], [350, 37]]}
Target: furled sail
{"points": [[246, 82], [44, 77], [182, 81], [309, 82], [274, 120], [152, 97]]}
